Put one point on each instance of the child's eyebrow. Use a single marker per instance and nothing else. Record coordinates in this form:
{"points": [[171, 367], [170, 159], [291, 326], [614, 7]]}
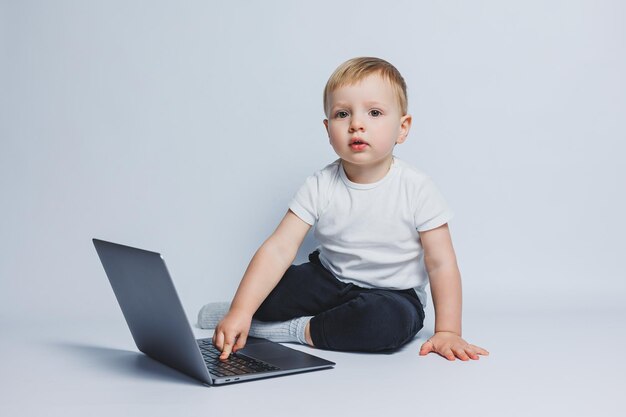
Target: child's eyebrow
{"points": [[338, 104], [374, 103]]}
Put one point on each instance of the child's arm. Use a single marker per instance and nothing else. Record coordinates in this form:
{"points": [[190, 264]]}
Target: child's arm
{"points": [[445, 285], [264, 272]]}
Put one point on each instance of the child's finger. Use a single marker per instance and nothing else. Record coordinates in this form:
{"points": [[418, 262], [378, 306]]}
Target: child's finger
{"points": [[448, 354], [480, 350], [241, 342], [426, 348], [228, 347], [471, 352], [218, 340], [460, 353]]}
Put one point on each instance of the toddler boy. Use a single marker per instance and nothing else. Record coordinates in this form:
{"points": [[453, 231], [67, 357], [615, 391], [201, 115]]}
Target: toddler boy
{"points": [[383, 236]]}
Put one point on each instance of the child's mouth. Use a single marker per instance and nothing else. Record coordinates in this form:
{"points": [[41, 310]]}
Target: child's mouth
{"points": [[358, 145]]}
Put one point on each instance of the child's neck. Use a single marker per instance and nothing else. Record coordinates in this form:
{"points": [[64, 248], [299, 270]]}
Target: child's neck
{"points": [[367, 174]]}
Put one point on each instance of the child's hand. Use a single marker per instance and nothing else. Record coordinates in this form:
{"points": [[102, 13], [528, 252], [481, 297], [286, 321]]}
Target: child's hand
{"points": [[450, 346], [231, 333]]}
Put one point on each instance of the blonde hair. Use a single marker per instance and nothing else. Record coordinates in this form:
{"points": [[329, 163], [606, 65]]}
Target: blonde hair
{"points": [[356, 69]]}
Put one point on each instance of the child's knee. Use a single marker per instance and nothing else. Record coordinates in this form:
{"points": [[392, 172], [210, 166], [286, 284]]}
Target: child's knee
{"points": [[394, 320], [372, 322]]}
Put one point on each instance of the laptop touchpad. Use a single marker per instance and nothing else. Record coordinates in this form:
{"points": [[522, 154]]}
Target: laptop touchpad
{"points": [[279, 355]]}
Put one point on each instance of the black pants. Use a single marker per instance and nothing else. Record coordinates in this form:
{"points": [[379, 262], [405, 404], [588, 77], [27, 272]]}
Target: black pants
{"points": [[345, 316]]}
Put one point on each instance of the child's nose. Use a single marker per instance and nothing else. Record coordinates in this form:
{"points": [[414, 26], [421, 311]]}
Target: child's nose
{"points": [[356, 124]]}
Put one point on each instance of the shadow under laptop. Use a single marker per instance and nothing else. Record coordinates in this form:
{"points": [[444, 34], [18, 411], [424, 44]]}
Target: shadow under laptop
{"points": [[124, 362]]}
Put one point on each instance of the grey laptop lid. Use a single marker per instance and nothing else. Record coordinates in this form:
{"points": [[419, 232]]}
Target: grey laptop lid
{"points": [[159, 326]]}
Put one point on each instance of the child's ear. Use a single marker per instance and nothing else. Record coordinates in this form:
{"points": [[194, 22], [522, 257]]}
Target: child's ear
{"points": [[405, 126], [326, 126]]}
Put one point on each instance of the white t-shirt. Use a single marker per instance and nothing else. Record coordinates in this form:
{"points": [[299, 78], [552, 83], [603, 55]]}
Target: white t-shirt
{"points": [[368, 234]]}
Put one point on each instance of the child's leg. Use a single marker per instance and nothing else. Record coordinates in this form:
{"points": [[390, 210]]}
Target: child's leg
{"points": [[374, 320], [346, 317]]}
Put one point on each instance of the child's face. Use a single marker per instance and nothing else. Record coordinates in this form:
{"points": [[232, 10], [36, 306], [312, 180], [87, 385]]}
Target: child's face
{"points": [[365, 122]]}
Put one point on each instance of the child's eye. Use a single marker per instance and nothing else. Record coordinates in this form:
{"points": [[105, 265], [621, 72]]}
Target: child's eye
{"points": [[375, 113], [341, 114]]}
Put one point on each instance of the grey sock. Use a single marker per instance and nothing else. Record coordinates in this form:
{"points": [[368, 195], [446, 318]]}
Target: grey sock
{"points": [[276, 331], [211, 314], [281, 331]]}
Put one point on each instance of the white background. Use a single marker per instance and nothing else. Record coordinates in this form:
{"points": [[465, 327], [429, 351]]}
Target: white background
{"points": [[186, 128]]}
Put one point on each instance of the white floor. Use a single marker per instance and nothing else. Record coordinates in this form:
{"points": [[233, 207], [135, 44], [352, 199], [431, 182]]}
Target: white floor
{"points": [[562, 363]]}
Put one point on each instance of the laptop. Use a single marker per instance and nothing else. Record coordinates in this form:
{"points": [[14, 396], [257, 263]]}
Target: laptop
{"points": [[146, 294]]}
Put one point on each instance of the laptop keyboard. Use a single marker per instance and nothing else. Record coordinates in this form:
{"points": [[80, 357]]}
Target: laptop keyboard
{"points": [[234, 365]]}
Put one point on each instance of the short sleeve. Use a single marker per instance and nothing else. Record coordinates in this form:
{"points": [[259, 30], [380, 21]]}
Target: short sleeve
{"points": [[431, 210], [306, 201]]}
